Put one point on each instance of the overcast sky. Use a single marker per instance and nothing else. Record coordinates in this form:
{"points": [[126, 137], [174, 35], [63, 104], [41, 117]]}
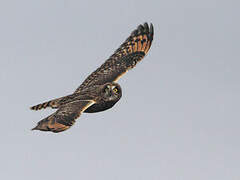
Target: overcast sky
{"points": [[179, 116]]}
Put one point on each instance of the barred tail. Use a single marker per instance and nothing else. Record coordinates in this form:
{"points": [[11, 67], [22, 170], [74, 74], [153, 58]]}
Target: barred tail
{"points": [[53, 104]]}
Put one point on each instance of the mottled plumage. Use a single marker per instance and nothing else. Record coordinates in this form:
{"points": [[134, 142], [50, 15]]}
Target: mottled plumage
{"points": [[124, 58], [71, 107], [64, 117], [89, 96]]}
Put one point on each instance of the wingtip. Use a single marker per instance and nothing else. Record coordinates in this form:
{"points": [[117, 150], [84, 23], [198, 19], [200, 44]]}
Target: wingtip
{"points": [[38, 127], [35, 128], [140, 28], [151, 29]]}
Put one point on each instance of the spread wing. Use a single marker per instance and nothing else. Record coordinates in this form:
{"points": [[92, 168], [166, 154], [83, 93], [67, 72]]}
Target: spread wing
{"points": [[64, 117], [124, 58]]}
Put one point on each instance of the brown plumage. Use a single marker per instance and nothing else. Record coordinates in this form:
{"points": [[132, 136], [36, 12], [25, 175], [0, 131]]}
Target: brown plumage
{"points": [[124, 58], [97, 92], [71, 107], [64, 117]]}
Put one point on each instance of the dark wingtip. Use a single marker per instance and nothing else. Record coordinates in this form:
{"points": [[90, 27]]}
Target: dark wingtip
{"points": [[146, 27], [140, 28], [35, 128], [38, 127], [151, 29]]}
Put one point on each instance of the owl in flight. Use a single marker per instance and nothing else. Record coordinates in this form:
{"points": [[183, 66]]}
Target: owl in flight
{"points": [[99, 91]]}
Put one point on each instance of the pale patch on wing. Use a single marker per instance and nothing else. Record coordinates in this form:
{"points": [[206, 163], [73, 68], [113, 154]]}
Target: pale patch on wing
{"points": [[119, 76], [88, 105]]}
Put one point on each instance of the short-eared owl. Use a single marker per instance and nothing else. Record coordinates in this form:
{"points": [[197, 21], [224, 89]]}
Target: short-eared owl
{"points": [[99, 91]]}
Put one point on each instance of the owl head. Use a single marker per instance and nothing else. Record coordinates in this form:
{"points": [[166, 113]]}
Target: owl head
{"points": [[111, 92]]}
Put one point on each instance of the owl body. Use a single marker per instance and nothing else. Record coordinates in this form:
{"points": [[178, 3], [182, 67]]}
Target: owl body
{"points": [[101, 106]]}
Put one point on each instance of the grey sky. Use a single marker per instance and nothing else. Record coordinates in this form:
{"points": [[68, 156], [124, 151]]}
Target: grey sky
{"points": [[178, 118]]}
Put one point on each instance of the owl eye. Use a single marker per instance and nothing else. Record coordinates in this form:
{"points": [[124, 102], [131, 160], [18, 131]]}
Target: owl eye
{"points": [[115, 90]]}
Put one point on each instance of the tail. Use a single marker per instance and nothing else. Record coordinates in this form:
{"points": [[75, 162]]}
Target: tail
{"points": [[55, 103], [52, 103]]}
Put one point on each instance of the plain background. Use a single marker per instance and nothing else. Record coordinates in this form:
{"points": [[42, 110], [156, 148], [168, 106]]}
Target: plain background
{"points": [[178, 118]]}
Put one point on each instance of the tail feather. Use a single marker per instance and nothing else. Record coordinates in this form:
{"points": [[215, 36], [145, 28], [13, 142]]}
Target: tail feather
{"points": [[53, 104]]}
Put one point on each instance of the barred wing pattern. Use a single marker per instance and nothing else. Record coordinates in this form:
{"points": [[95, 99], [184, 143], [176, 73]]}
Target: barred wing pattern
{"points": [[124, 58]]}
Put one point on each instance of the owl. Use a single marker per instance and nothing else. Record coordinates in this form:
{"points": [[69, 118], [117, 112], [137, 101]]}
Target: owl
{"points": [[100, 90]]}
